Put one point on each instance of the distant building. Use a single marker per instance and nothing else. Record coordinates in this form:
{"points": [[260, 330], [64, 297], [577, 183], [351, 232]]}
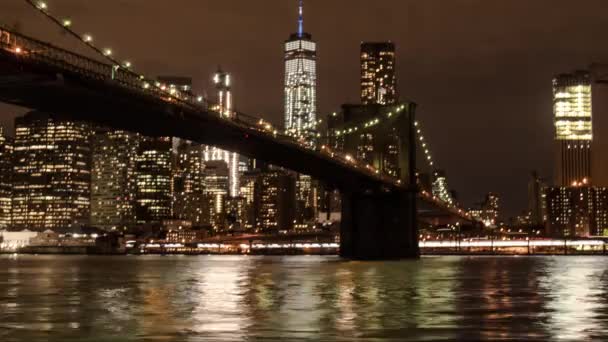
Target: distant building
{"points": [[537, 204], [52, 173], [249, 180], [375, 134], [440, 187], [488, 210], [301, 84], [6, 179], [216, 187], [573, 127], [306, 200], [224, 106], [154, 175], [274, 199], [113, 179], [191, 202], [577, 211], [378, 80]]}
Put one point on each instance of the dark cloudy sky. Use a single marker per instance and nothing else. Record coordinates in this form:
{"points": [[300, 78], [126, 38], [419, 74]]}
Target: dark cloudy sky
{"points": [[480, 70]]}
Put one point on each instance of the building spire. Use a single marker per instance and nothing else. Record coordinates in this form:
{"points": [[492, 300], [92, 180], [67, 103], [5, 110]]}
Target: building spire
{"points": [[301, 20]]}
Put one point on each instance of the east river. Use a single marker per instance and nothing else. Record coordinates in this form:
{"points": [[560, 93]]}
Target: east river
{"points": [[235, 298]]}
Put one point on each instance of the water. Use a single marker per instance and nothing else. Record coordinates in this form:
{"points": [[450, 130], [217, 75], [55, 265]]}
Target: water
{"points": [[153, 298]]}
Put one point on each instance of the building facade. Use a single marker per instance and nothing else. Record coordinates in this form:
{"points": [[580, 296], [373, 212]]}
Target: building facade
{"points": [[192, 203], [573, 127], [301, 84], [378, 80], [440, 188], [275, 195], [154, 180], [217, 188], [6, 179], [113, 181], [51, 173], [577, 211]]}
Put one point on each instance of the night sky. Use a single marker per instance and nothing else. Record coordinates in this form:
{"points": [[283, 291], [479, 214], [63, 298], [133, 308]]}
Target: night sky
{"points": [[480, 70]]}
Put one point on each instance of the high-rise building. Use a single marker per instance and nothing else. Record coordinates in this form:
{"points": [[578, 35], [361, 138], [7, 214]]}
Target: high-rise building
{"points": [[113, 181], [579, 210], [306, 200], [440, 187], [537, 204], [52, 173], [6, 175], [191, 200], [301, 84], [154, 179], [224, 107], [378, 80], [573, 127], [216, 186], [488, 210], [275, 195], [599, 96]]}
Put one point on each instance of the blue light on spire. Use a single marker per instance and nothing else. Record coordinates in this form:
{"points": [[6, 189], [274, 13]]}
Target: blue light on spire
{"points": [[301, 20]]}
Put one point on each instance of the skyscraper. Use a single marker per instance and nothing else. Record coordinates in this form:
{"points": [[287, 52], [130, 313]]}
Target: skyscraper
{"points": [[216, 186], [440, 187], [537, 205], [6, 176], [52, 173], [573, 127], [275, 195], [578, 210], [378, 81], [301, 84], [113, 182], [191, 200], [224, 107], [154, 174]]}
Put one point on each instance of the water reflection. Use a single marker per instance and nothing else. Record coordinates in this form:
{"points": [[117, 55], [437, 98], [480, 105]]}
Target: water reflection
{"points": [[320, 298]]}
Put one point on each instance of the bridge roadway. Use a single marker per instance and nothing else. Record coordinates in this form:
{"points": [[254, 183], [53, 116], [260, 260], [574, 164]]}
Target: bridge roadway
{"points": [[379, 212]]}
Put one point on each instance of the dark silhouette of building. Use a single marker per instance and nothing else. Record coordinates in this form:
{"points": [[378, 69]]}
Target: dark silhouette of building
{"points": [[275, 195], [153, 174]]}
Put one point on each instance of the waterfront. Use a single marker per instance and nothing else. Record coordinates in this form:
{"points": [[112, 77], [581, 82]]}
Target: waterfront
{"points": [[193, 298]]}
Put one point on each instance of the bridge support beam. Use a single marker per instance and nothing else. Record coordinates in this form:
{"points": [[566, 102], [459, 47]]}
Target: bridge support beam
{"points": [[379, 225]]}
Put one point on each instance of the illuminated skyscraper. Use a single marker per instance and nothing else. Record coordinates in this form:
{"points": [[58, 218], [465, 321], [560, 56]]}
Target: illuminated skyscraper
{"points": [[6, 175], [579, 210], [275, 195], [573, 127], [440, 187], [378, 81], [222, 81], [154, 174], [113, 182], [301, 84], [216, 186], [52, 173], [191, 200]]}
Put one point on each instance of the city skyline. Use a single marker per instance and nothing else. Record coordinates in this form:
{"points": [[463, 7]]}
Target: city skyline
{"points": [[441, 85]]}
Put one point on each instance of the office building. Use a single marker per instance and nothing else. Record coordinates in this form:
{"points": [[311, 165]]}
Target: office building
{"points": [[191, 202], [113, 179], [216, 187], [573, 127], [580, 210], [537, 202], [51, 173], [154, 180], [274, 200], [6, 178], [440, 187], [301, 84], [378, 80]]}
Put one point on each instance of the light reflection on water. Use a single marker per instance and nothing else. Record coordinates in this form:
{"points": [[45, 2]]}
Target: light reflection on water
{"points": [[69, 298]]}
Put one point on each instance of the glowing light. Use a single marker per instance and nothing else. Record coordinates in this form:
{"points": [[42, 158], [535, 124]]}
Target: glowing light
{"points": [[66, 23], [42, 5], [107, 52], [127, 64], [87, 38]]}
